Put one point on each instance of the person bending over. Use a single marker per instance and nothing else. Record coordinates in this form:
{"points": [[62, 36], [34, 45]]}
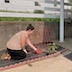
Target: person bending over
{"points": [[16, 45]]}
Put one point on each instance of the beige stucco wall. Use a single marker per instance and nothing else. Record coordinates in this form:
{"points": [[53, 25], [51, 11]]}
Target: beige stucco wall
{"points": [[8, 29]]}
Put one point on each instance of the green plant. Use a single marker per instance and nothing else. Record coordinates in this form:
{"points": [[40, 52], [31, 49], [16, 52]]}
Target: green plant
{"points": [[28, 19], [39, 11]]}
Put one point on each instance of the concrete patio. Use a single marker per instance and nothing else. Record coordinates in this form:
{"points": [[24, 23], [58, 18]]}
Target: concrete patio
{"points": [[67, 43]]}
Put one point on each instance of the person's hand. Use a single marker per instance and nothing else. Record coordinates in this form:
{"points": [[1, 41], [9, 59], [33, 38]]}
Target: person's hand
{"points": [[37, 51]]}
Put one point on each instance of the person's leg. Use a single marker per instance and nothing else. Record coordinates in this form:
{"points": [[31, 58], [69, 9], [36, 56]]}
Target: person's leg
{"points": [[17, 54]]}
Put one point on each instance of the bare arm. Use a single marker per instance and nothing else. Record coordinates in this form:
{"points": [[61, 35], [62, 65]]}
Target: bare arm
{"points": [[26, 40], [30, 44], [23, 41]]}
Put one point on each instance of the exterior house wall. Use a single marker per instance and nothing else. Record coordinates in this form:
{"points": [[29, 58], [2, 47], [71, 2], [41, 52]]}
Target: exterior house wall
{"points": [[16, 5], [28, 6]]}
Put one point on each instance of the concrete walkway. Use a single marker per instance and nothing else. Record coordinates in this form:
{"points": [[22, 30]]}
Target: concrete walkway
{"points": [[67, 43]]}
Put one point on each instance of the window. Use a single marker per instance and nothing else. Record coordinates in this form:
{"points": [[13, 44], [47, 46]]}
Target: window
{"points": [[6, 1], [37, 4]]}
